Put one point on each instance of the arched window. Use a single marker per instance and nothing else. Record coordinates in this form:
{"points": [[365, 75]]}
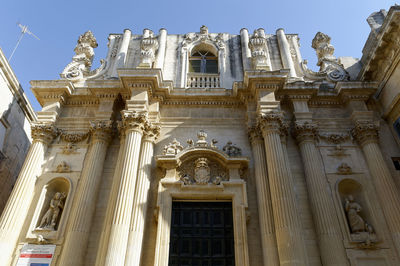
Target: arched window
{"points": [[203, 61]]}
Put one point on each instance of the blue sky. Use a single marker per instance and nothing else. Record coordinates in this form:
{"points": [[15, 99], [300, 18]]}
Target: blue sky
{"points": [[58, 24]]}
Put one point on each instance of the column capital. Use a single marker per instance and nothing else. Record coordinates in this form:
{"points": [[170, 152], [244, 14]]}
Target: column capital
{"points": [[365, 132], [272, 123], [133, 121], [305, 131], [255, 135], [151, 132], [101, 130], [43, 132]]}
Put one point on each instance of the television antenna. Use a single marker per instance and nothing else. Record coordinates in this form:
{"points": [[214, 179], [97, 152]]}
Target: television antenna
{"points": [[24, 29]]}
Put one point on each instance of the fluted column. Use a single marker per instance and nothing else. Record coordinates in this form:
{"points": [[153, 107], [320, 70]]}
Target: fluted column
{"points": [[268, 240], [18, 204], [366, 133], [327, 225], [139, 211], [105, 232], [74, 247], [134, 123], [286, 217]]}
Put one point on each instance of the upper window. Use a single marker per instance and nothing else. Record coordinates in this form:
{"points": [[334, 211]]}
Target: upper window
{"points": [[202, 61]]}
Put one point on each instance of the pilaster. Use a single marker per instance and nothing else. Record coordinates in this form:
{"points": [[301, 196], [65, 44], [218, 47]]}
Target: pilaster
{"points": [[82, 212], [18, 204], [267, 227]]}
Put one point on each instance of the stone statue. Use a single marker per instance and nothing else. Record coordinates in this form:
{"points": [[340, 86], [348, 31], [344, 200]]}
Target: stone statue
{"points": [[50, 218], [356, 222], [232, 150]]}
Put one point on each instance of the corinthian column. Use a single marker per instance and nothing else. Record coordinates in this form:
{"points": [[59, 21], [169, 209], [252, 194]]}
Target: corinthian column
{"points": [[286, 217], [105, 233], [134, 123], [139, 211], [18, 204], [268, 240], [327, 226], [85, 200], [366, 133]]}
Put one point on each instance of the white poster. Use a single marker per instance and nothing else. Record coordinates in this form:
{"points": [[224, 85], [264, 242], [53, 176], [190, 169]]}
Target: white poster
{"points": [[36, 255]]}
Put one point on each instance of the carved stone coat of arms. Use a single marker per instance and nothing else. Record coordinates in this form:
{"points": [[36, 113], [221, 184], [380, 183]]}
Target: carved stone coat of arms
{"points": [[201, 171]]}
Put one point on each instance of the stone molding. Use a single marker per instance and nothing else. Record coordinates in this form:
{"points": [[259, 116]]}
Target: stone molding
{"points": [[365, 132], [101, 130], [74, 137], [305, 131], [44, 132]]}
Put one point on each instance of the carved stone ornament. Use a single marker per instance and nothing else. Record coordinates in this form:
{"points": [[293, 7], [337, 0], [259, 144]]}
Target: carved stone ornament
{"points": [[151, 132], [101, 129], [63, 167], [133, 120], [73, 137], [44, 132], [259, 51], [148, 49], [232, 150], [173, 148], [335, 138], [330, 68], [344, 169], [81, 63], [69, 148], [202, 37], [365, 131], [51, 217], [305, 131], [272, 122], [201, 171]]}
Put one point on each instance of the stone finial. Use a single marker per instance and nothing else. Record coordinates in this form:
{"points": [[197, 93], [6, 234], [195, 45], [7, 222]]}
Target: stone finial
{"points": [[375, 20], [148, 46], [173, 148], [232, 150], [202, 138], [259, 51], [204, 30]]}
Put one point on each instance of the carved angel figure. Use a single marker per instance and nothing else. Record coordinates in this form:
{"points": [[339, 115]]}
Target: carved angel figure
{"points": [[51, 216], [356, 222]]}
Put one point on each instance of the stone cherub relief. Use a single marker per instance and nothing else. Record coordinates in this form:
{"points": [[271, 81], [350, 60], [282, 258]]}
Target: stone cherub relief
{"points": [[51, 217]]}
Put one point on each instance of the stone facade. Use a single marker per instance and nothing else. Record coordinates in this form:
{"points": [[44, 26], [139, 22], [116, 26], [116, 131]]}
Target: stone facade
{"points": [[16, 115], [304, 156]]}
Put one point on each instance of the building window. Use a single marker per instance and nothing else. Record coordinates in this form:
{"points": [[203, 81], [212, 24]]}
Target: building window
{"points": [[202, 61], [201, 234]]}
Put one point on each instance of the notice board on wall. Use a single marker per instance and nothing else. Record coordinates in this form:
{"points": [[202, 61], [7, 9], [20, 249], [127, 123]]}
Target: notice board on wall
{"points": [[36, 255]]}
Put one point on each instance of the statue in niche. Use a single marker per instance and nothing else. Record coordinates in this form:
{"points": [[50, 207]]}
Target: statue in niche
{"points": [[50, 218], [356, 222]]}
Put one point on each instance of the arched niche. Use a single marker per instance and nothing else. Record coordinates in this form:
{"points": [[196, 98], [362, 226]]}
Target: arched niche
{"points": [[353, 199], [55, 192]]}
